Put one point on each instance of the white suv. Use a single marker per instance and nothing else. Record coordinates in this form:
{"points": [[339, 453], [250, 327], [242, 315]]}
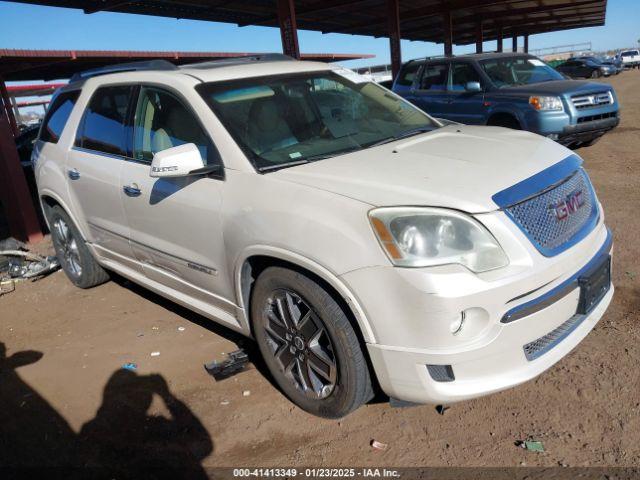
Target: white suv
{"points": [[358, 240]]}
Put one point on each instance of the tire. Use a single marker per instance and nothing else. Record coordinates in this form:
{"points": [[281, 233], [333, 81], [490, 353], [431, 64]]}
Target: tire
{"points": [[590, 142], [75, 258], [595, 74], [296, 352]]}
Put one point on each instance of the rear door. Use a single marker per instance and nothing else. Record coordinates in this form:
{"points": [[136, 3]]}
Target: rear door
{"points": [[464, 106], [431, 93], [175, 223], [93, 169]]}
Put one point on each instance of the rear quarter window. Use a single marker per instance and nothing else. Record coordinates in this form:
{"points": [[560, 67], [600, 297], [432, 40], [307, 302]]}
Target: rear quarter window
{"points": [[57, 116]]}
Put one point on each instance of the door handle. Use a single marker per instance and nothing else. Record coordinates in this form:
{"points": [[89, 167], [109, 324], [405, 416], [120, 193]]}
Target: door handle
{"points": [[132, 190], [73, 174]]}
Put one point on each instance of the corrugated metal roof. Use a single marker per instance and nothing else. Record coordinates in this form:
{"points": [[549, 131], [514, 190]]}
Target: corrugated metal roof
{"points": [[419, 19]]}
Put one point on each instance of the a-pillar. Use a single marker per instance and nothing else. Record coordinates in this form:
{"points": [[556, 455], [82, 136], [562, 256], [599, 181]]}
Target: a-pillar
{"points": [[288, 28], [393, 13], [14, 192]]}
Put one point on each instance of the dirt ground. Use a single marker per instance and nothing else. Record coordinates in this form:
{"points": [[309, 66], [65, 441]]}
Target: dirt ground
{"points": [[65, 348]]}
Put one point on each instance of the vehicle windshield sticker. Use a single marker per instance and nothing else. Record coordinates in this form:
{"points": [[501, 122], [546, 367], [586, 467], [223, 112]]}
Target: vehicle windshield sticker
{"points": [[350, 75], [295, 155], [536, 62], [241, 94]]}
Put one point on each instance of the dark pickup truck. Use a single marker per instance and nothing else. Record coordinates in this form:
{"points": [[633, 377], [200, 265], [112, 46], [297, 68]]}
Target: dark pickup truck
{"points": [[510, 90]]}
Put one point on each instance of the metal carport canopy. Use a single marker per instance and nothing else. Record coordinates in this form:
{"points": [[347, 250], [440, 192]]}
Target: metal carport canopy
{"points": [[419, 19]]}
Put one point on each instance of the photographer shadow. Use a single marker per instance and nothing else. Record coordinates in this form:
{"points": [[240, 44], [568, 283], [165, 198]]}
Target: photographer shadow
{"points": [[122, 441]]}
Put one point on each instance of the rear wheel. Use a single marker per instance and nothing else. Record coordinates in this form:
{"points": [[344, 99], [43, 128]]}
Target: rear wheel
{"points": [[595, 74], [72, 252], [308, 343]]}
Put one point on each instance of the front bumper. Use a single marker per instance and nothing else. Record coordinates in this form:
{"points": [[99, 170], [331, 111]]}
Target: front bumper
{"points": [[488, 355], [587, 131]]}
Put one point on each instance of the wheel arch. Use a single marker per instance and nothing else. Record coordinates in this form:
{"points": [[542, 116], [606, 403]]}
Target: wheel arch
{"points": [[497, 115], [48, 200], [255, 259]]}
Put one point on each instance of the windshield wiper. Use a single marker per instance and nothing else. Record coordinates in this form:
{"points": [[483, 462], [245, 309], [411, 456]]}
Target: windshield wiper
{"points": [[401, 135], [271, 168]]}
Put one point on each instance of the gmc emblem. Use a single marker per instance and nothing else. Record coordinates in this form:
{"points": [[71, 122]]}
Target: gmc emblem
{"points": [[568, 206]]}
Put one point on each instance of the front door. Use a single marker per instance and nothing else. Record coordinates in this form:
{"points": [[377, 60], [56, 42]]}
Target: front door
{"points": [[464, 106], [431, 92], [175, 223], [93, 168]]}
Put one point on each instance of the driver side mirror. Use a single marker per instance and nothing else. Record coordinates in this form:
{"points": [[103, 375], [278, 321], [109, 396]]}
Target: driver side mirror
{"points": [[473, 87], [179, 161]]}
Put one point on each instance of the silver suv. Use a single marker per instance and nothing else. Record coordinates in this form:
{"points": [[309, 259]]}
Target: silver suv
{"points": [[352, 235]]}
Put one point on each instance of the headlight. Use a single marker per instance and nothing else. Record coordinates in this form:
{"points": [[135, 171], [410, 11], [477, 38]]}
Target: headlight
{"points": [[423, 237], [546, 104]]}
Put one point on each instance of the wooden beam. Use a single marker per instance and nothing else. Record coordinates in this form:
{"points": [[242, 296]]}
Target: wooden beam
{"points": [[499, 40], [7, 108], [288, 28], [526, 44], [514, 43], [393, 12]]}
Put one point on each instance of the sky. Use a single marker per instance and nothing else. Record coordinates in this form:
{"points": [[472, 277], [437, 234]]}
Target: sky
{"points": [[36, 27]]}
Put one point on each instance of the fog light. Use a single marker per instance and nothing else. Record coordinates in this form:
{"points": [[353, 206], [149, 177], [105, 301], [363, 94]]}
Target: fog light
{"points": [[457, 324]]}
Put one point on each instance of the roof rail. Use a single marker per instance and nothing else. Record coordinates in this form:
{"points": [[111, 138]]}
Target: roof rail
{"points": [[239, 60], [124, 67]]}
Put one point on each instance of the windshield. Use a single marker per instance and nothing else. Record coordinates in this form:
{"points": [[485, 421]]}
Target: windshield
{"points": [[285, 120], [507, 72]]}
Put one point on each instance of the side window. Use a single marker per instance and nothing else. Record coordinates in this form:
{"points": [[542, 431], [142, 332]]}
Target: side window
{"points": [[162, 121], [434, 77], [57, 116], [408, 74], [461, 74], [104, 125]]}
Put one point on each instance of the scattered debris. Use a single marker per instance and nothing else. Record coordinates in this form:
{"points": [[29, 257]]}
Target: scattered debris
{"points": [[17, 263], [246, 393], [7, 286], [441, 409], [140, 334], [379, 445], [181, 329], [154, 328], [631, 275], [130, 366], [155, 354], [225, 402], [235, 363], [531, 445]]}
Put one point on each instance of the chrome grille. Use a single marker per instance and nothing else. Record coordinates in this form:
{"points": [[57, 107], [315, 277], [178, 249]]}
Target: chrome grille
{"points": [[543, 344], [553, 218], [592, 100]]}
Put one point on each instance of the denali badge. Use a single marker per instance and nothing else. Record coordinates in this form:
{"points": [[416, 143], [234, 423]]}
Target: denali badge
{"points": [[568, 206]]}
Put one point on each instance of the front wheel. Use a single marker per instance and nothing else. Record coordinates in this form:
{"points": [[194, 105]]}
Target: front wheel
{"points": [[595, 74], [308, 344]]}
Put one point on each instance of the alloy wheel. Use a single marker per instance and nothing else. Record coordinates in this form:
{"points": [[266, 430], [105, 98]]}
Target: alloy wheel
{"points": [[300, 344], [68, 247]]}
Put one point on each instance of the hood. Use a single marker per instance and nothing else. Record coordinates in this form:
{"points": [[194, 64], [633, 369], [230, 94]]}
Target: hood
{"points": [[459, 167], [557, 87]]}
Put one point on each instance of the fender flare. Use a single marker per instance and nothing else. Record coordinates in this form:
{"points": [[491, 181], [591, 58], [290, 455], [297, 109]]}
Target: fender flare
{"points": [[313, 267]]}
